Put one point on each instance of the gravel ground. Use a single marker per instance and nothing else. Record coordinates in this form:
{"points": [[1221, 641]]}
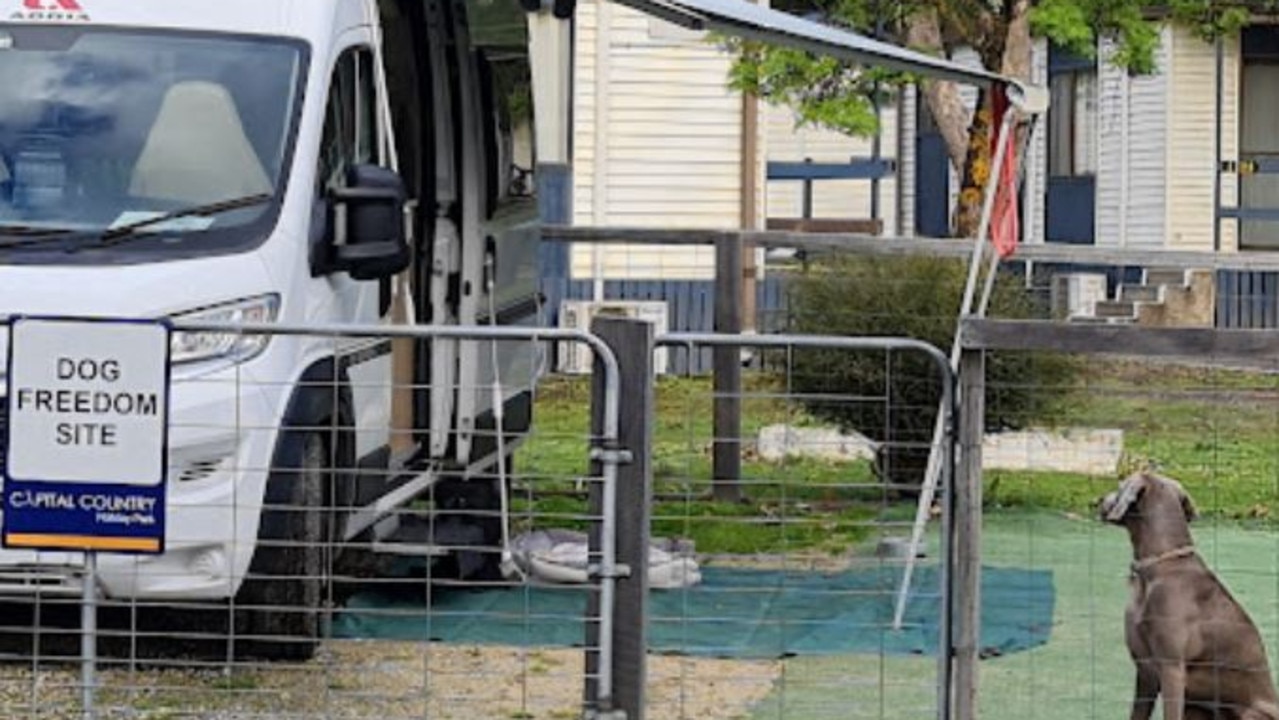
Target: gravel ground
{"points": [[384, 680]]}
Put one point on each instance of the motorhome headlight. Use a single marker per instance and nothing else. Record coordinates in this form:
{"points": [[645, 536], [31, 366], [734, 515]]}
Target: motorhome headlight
{"points": [[190, 346]]}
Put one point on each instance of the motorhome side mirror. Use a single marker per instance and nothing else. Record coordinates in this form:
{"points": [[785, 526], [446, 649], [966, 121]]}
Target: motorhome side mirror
{"points": [[367, 218]]}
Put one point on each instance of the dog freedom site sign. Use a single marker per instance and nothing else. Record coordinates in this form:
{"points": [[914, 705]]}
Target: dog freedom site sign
{"points": [[88, 408]]}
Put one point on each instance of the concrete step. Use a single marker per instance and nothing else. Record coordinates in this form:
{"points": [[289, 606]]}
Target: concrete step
{"points": [[1175, 277], [1115, 309], [1130, 292], [1082, 320]]}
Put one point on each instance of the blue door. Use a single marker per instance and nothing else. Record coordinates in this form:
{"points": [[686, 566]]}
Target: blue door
{"points": [[932, 177], [1259, 139], [1070, 210], [1071, 204]]}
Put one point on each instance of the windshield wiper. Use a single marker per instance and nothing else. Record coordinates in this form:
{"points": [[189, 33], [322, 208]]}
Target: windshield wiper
{"points": [[27, 235], [121, 233], [24, 235], [114, 234], [33, 231]]}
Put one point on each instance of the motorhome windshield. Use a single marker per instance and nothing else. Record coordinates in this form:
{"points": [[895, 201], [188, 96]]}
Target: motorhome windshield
{"points": [[102, 129]]}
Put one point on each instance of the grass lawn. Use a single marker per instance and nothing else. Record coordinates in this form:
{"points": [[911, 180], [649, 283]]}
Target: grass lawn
{"points": [[1216, 431], [794, 504]]}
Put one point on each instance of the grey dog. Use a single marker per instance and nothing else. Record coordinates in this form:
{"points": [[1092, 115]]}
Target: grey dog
{"points": [[1192, 643]]}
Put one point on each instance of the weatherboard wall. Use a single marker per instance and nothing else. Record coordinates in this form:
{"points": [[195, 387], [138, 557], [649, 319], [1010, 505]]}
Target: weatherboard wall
{"points": [[788, 141], [1192, 132], [670, 134]]}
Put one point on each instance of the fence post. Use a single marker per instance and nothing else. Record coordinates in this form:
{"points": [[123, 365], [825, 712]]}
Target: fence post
{"points": [[806, 193], [968, 511], [632, 342], [727, 362]]}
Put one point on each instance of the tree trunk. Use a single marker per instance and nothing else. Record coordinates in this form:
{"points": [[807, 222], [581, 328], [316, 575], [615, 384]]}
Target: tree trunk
{"points": [[968, 135], [977, 164], [923, 32], [1018, 46], [1019, 52], [1012, 58]]}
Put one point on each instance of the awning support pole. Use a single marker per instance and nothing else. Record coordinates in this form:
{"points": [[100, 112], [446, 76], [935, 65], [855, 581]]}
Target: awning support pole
{"points": [[932, 475]]}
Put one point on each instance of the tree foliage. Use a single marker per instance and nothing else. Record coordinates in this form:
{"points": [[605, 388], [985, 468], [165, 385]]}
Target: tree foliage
{"points": [[841, 96]]}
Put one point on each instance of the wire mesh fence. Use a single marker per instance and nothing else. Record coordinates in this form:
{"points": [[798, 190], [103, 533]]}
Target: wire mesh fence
{"points": [[324, 559], [323, 556], [339, 556], [1099, 399], [803, 563], [1195, 406]]}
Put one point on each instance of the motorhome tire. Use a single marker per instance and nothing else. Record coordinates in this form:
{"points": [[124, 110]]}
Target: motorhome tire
{"points": [[281, 606]]}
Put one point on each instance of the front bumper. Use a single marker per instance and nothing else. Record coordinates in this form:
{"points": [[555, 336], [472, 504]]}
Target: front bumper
{"points": [[221, 437]]}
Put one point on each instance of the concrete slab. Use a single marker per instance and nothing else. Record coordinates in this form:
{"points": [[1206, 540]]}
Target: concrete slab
{"points": [[1086, 451], [777, 442]]}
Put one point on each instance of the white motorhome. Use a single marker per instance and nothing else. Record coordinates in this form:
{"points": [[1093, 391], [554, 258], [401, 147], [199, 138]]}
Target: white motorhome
{"points": [[293, 162]]}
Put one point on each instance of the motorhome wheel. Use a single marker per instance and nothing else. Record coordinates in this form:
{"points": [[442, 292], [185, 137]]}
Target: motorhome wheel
{"points": [[280, 607]]}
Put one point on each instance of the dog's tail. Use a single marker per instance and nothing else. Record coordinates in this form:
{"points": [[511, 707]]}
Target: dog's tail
{"points": [[1261, 711]]}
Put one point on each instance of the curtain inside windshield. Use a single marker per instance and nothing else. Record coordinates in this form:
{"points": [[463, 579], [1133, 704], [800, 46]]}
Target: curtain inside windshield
{"points": [[105, 128]]}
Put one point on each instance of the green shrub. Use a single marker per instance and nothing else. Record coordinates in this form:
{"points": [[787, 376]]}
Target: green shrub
{"points": [[892, 398]]}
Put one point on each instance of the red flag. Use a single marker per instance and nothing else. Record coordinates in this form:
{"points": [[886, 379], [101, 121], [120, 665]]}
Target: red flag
{"points": [[1005, 225], [70, 5]]}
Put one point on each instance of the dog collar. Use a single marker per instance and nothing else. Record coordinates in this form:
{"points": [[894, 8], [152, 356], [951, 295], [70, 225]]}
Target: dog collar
{"points": [[1146, 563]]}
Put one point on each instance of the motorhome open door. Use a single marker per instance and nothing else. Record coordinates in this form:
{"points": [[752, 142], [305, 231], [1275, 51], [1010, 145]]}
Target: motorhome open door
{"points": [[445, 244], [500, 268]]}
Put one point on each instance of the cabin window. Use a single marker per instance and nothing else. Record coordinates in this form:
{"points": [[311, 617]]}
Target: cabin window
{"points": [[1072, 115], [506, 98], [350, 125]]}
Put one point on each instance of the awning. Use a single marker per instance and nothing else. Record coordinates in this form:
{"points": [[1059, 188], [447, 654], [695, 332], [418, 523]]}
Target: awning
{"points": [[743, 19]]}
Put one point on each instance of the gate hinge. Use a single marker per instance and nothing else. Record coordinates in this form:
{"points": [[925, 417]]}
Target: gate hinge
{"points": [[613, 455], [620, 570]]}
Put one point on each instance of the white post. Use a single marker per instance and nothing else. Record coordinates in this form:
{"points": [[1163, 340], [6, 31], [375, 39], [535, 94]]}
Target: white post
{"points": [[551, 55], [89, 636], [599, 167]]}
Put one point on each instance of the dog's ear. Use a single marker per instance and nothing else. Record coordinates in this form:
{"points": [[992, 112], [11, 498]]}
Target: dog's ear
{"points": [[1187, 505], [1130, 491]]}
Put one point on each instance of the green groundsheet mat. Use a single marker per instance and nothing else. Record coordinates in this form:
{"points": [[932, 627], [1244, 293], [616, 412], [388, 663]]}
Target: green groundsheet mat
{"points": [[1084, 671], [733, 613]]}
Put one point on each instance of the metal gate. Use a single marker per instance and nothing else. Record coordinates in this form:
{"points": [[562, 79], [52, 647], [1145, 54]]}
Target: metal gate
{"points": [[768, 553], [799, 559]]}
